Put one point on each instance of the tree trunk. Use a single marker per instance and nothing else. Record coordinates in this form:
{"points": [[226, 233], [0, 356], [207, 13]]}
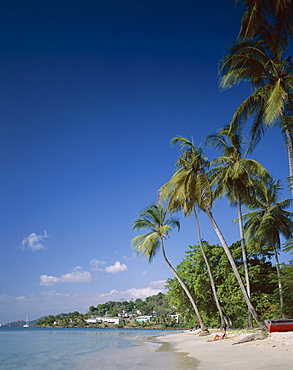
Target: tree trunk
{"points": [[290, 156], [213, 286], [260, 323], [244, 257], [279, 277], [204, 329]]}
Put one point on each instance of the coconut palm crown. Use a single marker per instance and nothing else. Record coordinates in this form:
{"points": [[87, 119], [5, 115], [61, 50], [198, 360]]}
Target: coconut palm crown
{"points": [[268, 222], [278, 12], [153, 218], [233, 174], [262, 62], [189, 185], [269, 219]]}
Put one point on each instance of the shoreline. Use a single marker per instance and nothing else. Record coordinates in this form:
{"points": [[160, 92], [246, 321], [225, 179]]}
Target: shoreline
{"points": [[274, 352]]}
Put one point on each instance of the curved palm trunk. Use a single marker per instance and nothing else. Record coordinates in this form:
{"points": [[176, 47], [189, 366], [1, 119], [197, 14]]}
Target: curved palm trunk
{"points": [[213, 286], [260, 323], [279, 276], [290, 156], [244, 257], [204, 329]]}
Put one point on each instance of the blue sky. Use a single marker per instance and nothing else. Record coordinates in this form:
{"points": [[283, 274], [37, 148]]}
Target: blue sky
{"points": [[91, 94]]}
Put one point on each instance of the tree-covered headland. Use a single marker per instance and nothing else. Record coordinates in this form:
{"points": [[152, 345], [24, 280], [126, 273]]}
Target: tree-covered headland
{"points": [[157, 307]]}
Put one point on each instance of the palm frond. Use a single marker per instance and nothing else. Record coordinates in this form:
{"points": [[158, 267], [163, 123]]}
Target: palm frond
{"points": [[288, 246], [148, 244], [142, 223], [154, 219], [274, 105], [265, 225]]}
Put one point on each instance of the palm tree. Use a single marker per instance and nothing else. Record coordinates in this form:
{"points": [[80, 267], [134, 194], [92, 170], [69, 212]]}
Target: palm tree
{"points": [[261, 61], [154, 218], [278, 12], [175, 192], [234, 176], [190, 181], [268, 221]]}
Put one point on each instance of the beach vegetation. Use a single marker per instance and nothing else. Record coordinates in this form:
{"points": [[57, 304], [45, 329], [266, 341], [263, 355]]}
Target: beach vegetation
{"points": [[235, 176], [287, 285], [195, 274], [268, 220], [184, 191], [154, 218], [189, 186]]}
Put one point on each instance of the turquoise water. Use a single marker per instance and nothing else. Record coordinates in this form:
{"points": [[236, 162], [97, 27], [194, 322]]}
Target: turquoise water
{"points": [[42, 348]]}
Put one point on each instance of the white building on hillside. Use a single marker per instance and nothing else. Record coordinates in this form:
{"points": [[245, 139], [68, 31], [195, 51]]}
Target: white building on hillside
{"points": [[98, 319], [175, 316], [143, 318]]}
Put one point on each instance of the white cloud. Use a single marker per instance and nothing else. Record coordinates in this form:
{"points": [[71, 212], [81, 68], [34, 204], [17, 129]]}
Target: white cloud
{"points": [[34, 242], [20, 298], [134, 256], [76, 276], [116, 268], [49, 280], [95, 264], [112, 269], [132, 293], [159, 284], [53, 294]]}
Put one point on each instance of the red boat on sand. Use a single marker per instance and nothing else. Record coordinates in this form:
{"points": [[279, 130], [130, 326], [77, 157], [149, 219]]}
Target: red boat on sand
{"points": [[279, 325]]}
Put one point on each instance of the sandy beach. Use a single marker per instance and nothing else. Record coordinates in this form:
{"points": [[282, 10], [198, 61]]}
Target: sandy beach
{"points": [[272, 353]]}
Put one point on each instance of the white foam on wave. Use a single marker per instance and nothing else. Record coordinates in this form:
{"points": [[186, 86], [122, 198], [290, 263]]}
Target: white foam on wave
{"points": [[153, 346]]}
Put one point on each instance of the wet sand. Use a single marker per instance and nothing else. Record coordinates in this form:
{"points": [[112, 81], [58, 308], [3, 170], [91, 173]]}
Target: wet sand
{"points": [[272, 353]]}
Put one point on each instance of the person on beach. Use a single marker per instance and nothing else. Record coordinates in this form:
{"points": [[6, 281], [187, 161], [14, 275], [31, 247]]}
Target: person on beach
{"points": [[219, 336]]}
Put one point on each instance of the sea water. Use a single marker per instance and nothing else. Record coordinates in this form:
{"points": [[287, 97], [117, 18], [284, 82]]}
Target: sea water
{"points": [[46, 348]]}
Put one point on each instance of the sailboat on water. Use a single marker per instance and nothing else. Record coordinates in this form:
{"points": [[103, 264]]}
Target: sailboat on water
{"points": [[26, 323]]}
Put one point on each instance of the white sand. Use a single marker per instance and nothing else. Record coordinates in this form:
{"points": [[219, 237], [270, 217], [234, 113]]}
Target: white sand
{"points": [[272, 353]]}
